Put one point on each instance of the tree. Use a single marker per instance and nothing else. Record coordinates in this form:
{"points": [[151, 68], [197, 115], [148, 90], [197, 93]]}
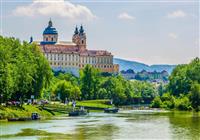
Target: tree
{"points": [[24, 71], [195, 96], [156, 103], [183, 76], [115, 90], [184, 84], [89, 82], [179, 83], [143, 92], [68, 77], [64, 89], [75, 93]]}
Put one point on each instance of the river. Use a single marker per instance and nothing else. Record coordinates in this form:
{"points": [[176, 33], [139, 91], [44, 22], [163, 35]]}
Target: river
{"points": [[127, 124]]}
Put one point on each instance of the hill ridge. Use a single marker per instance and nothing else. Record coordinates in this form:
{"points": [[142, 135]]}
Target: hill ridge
{"points": [[139, 66]]}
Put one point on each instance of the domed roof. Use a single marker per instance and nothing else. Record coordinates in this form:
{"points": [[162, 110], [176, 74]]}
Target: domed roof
{"points": [[50, 29]]}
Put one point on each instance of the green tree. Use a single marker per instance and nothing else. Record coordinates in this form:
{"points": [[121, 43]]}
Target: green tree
{"points": [[195, 96], [179, 83], [89, 82], [182, 103], [68, 77], [115, 90], [64, 89], [156, 103], [24, 71]]}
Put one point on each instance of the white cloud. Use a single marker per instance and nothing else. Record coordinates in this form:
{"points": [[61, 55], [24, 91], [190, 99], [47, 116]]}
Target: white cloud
{"points": [[177, 14], [125, 16], [59, 8], [173, 35]]}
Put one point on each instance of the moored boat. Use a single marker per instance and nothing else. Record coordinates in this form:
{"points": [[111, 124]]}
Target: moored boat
{"points": [[111, 110], [35, 116], [78, 113]]}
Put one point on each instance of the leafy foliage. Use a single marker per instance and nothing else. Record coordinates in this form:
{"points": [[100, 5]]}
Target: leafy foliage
{"points": [[94, 85], [183, 90], [24, 71], [65, 89], [195, 96]]}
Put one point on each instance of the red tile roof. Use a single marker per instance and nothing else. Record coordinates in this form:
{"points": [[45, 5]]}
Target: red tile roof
{"points": [[71, 48]]}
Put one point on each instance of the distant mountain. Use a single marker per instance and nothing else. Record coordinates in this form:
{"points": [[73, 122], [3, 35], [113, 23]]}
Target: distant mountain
{"points": [[136, 66]]}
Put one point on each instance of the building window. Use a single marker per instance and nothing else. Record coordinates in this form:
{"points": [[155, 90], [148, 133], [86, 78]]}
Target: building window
{"points": [[52, 39]]}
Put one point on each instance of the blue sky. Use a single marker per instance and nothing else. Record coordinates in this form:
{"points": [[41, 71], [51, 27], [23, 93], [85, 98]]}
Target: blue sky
{"points": [[152, 32]]}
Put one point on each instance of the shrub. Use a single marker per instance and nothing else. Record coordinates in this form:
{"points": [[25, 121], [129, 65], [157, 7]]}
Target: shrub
{"points": [[168, 104], [183, 103], [156, 103], [168, 101], [195, 96]]}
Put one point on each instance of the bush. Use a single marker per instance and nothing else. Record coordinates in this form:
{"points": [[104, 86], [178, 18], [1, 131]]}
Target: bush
{"points": [[183, 103], [195, 96], [156, 103], [168, 101], [168, 105]]}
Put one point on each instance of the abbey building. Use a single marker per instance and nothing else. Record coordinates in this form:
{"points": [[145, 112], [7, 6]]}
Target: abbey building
{"points": [[74, 55]]}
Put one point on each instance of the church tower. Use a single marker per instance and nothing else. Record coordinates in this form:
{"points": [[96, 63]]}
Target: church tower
{"points": [[79, 38], [50, 34]]}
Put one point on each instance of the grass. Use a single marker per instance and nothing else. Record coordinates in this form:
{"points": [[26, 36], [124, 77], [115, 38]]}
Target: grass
{"points": [[24, 111], [99, 104], [50, 110], [58, 109]]}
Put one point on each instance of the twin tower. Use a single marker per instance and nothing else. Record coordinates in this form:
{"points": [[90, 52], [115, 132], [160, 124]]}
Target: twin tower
{"points": [[50, 36]]}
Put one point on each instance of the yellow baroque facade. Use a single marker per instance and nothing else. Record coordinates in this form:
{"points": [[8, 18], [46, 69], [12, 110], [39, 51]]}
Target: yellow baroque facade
{"points": [[72, 56]]}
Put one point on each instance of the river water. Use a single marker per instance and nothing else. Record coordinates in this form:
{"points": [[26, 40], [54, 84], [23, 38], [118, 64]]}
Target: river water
{"points": [[127, 124]]}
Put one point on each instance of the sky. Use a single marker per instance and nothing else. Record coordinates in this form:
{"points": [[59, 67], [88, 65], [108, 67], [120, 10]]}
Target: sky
{"points": [[148, 31]]}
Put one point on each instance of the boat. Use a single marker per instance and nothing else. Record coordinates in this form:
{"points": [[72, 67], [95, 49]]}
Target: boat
{"points": [[78, 113], [111, 110], [35, 116]]}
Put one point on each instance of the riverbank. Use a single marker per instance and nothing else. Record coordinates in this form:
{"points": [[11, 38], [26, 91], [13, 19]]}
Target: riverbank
{"points": [[95, 104], [50, 110], [24, 111]]}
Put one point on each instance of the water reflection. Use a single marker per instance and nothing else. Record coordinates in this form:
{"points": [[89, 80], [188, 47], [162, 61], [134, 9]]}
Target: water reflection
{"points": [[185, 125], [123, 125]]}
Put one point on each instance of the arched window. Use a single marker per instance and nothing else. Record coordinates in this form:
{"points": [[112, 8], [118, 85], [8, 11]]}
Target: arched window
{"points": [[82, 41], [52, 39]]}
